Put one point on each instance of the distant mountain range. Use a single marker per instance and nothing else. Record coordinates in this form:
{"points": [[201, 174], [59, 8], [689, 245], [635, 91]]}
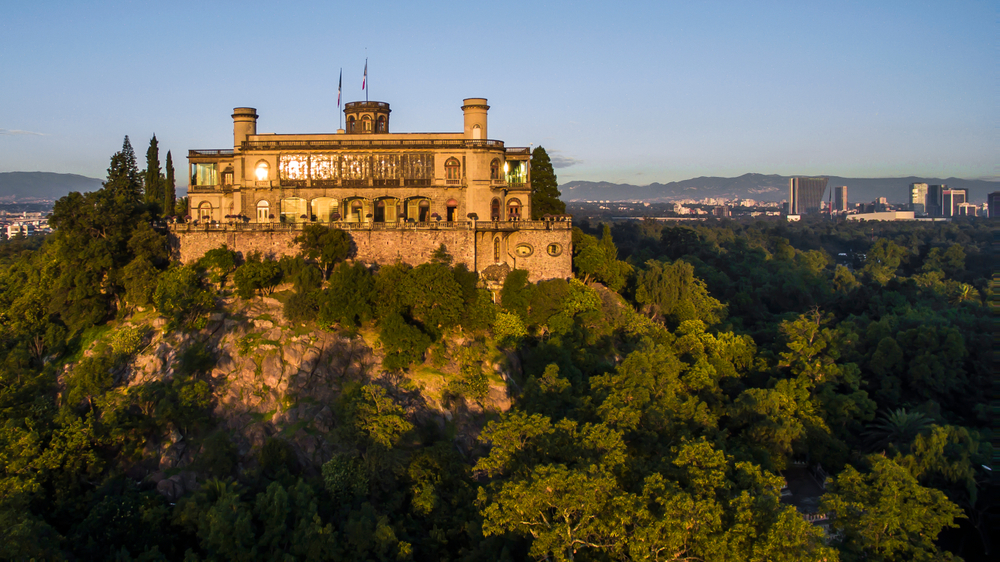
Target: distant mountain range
{"points": [[763, 188], [27, 187]]}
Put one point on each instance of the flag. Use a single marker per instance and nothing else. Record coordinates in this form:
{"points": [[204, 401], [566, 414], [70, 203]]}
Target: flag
{"points": [[365, 79], [340, 85]]}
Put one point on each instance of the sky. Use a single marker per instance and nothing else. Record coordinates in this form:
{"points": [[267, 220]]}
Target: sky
{"points": [[627, 92]]}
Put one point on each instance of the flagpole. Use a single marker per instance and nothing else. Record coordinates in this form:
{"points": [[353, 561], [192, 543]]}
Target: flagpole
{"points": [[340, 87]]}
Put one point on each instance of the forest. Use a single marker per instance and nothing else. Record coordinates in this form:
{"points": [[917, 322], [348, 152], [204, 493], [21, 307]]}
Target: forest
{"points": [[651, 408]]}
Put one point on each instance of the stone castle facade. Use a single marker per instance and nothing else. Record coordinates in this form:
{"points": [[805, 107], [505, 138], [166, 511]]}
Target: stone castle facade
{"points": [[399, 195]]}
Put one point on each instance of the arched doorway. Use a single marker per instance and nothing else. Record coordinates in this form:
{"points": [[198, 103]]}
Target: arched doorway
{"points": [[452, 207], [205, 211], [495, 210], [323, 209], [263, 211]]}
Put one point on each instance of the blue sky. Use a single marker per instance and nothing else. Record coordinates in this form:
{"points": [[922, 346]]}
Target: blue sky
{"points": [[635, 92]]}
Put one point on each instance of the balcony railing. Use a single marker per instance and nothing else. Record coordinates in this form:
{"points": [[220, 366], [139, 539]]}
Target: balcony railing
{"points": [[233, 226], [211, 152], [305, 144]]}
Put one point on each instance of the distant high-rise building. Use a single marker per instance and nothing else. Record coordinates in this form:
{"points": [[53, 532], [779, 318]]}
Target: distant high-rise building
{"points": [[934, 208], [966, 210], [840, 198], [918, 198], [805, 195], [950, 201], [993, 204]]}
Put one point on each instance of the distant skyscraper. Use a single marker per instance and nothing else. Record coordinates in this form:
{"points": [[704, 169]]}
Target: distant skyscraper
{"points": [[918, 198], [993, 203], [805, 195], [951, 199], [934, 208], [840, 198]]}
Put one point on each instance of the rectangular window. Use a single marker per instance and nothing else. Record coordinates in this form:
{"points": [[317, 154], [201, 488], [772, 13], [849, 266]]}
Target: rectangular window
{"points": [[205, 174], [293, 166]]}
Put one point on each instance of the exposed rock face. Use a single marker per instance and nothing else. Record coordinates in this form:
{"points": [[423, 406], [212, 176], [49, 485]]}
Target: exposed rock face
{"points": [[273, 378]]}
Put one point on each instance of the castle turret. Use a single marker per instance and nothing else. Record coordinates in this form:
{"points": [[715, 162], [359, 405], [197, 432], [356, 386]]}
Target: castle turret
{"points": [[244, 124], [367, 117], [475, 118]]}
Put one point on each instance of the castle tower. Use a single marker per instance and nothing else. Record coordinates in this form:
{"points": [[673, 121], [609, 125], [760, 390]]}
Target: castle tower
{"points": [[475, 118], [244, 124], [367, 117]]}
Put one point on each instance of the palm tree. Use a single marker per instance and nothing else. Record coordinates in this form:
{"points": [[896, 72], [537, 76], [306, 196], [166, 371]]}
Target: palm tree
{"points": [[896, 429]]}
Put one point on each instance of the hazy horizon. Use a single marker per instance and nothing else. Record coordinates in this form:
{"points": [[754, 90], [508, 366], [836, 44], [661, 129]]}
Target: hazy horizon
{"points": [[648, 92]]}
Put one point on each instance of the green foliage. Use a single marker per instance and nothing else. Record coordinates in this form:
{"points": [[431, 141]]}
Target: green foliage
{"points": [[377, 418], [348, 296], [886, 515], [169, 189], [327, 246], [544, 186], [674, 293], [597, 260], [181, 297], [257, 276], [151, 176], [508, 329], [345, 479], [404, 344]]}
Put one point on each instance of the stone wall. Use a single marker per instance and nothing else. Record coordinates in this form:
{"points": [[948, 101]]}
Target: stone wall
{"points": [[544, 253]]}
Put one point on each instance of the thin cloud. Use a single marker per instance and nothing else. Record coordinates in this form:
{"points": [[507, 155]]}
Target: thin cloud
{"points": [[560, 161], [19, 132]]}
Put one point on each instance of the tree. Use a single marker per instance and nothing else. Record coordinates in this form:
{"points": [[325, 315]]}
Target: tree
{"points": [[151, 175], [124, 181], [544, 187], [886, 515], [169, 187], [325, 245]]}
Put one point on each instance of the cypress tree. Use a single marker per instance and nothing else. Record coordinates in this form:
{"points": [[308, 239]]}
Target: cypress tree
{"points": [[154, 190], [169, 189], [544, 187]]}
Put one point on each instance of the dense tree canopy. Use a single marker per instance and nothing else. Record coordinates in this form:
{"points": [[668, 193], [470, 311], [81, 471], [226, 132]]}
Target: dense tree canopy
{"points": [[651, 408]]}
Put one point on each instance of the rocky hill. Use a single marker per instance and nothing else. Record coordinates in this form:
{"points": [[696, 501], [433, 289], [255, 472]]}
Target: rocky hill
{"points": [[271, 377]]}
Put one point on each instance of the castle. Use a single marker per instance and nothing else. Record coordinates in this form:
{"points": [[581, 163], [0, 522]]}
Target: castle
{"points": [[399, 195]]}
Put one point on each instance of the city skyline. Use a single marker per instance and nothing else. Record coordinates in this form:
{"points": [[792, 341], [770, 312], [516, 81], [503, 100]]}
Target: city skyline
{"points": [[646, 92]]}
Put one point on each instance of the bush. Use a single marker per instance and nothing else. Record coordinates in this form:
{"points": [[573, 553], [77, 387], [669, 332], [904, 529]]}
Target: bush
{"points": [[404, 344]]}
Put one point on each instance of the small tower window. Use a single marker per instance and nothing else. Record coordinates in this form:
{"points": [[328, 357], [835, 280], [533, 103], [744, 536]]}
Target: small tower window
{"points": [[366, 124], [350, 124], [381, 124], [514, 209], [495, 169], [452, 169]]}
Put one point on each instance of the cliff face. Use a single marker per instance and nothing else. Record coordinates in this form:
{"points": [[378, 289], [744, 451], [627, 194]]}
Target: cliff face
{"points": [[274, 379]]}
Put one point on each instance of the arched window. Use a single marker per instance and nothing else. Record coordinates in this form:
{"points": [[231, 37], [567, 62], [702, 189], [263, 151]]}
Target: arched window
{"points": [[452, 206], [424, 209], [205, 211], [477, 132], [350, 124], [381, 124], [495, 169], [263, 211], [357, 208], [495, 210], [261, 171], [452, 169], [366, 124], [514, 210]]}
